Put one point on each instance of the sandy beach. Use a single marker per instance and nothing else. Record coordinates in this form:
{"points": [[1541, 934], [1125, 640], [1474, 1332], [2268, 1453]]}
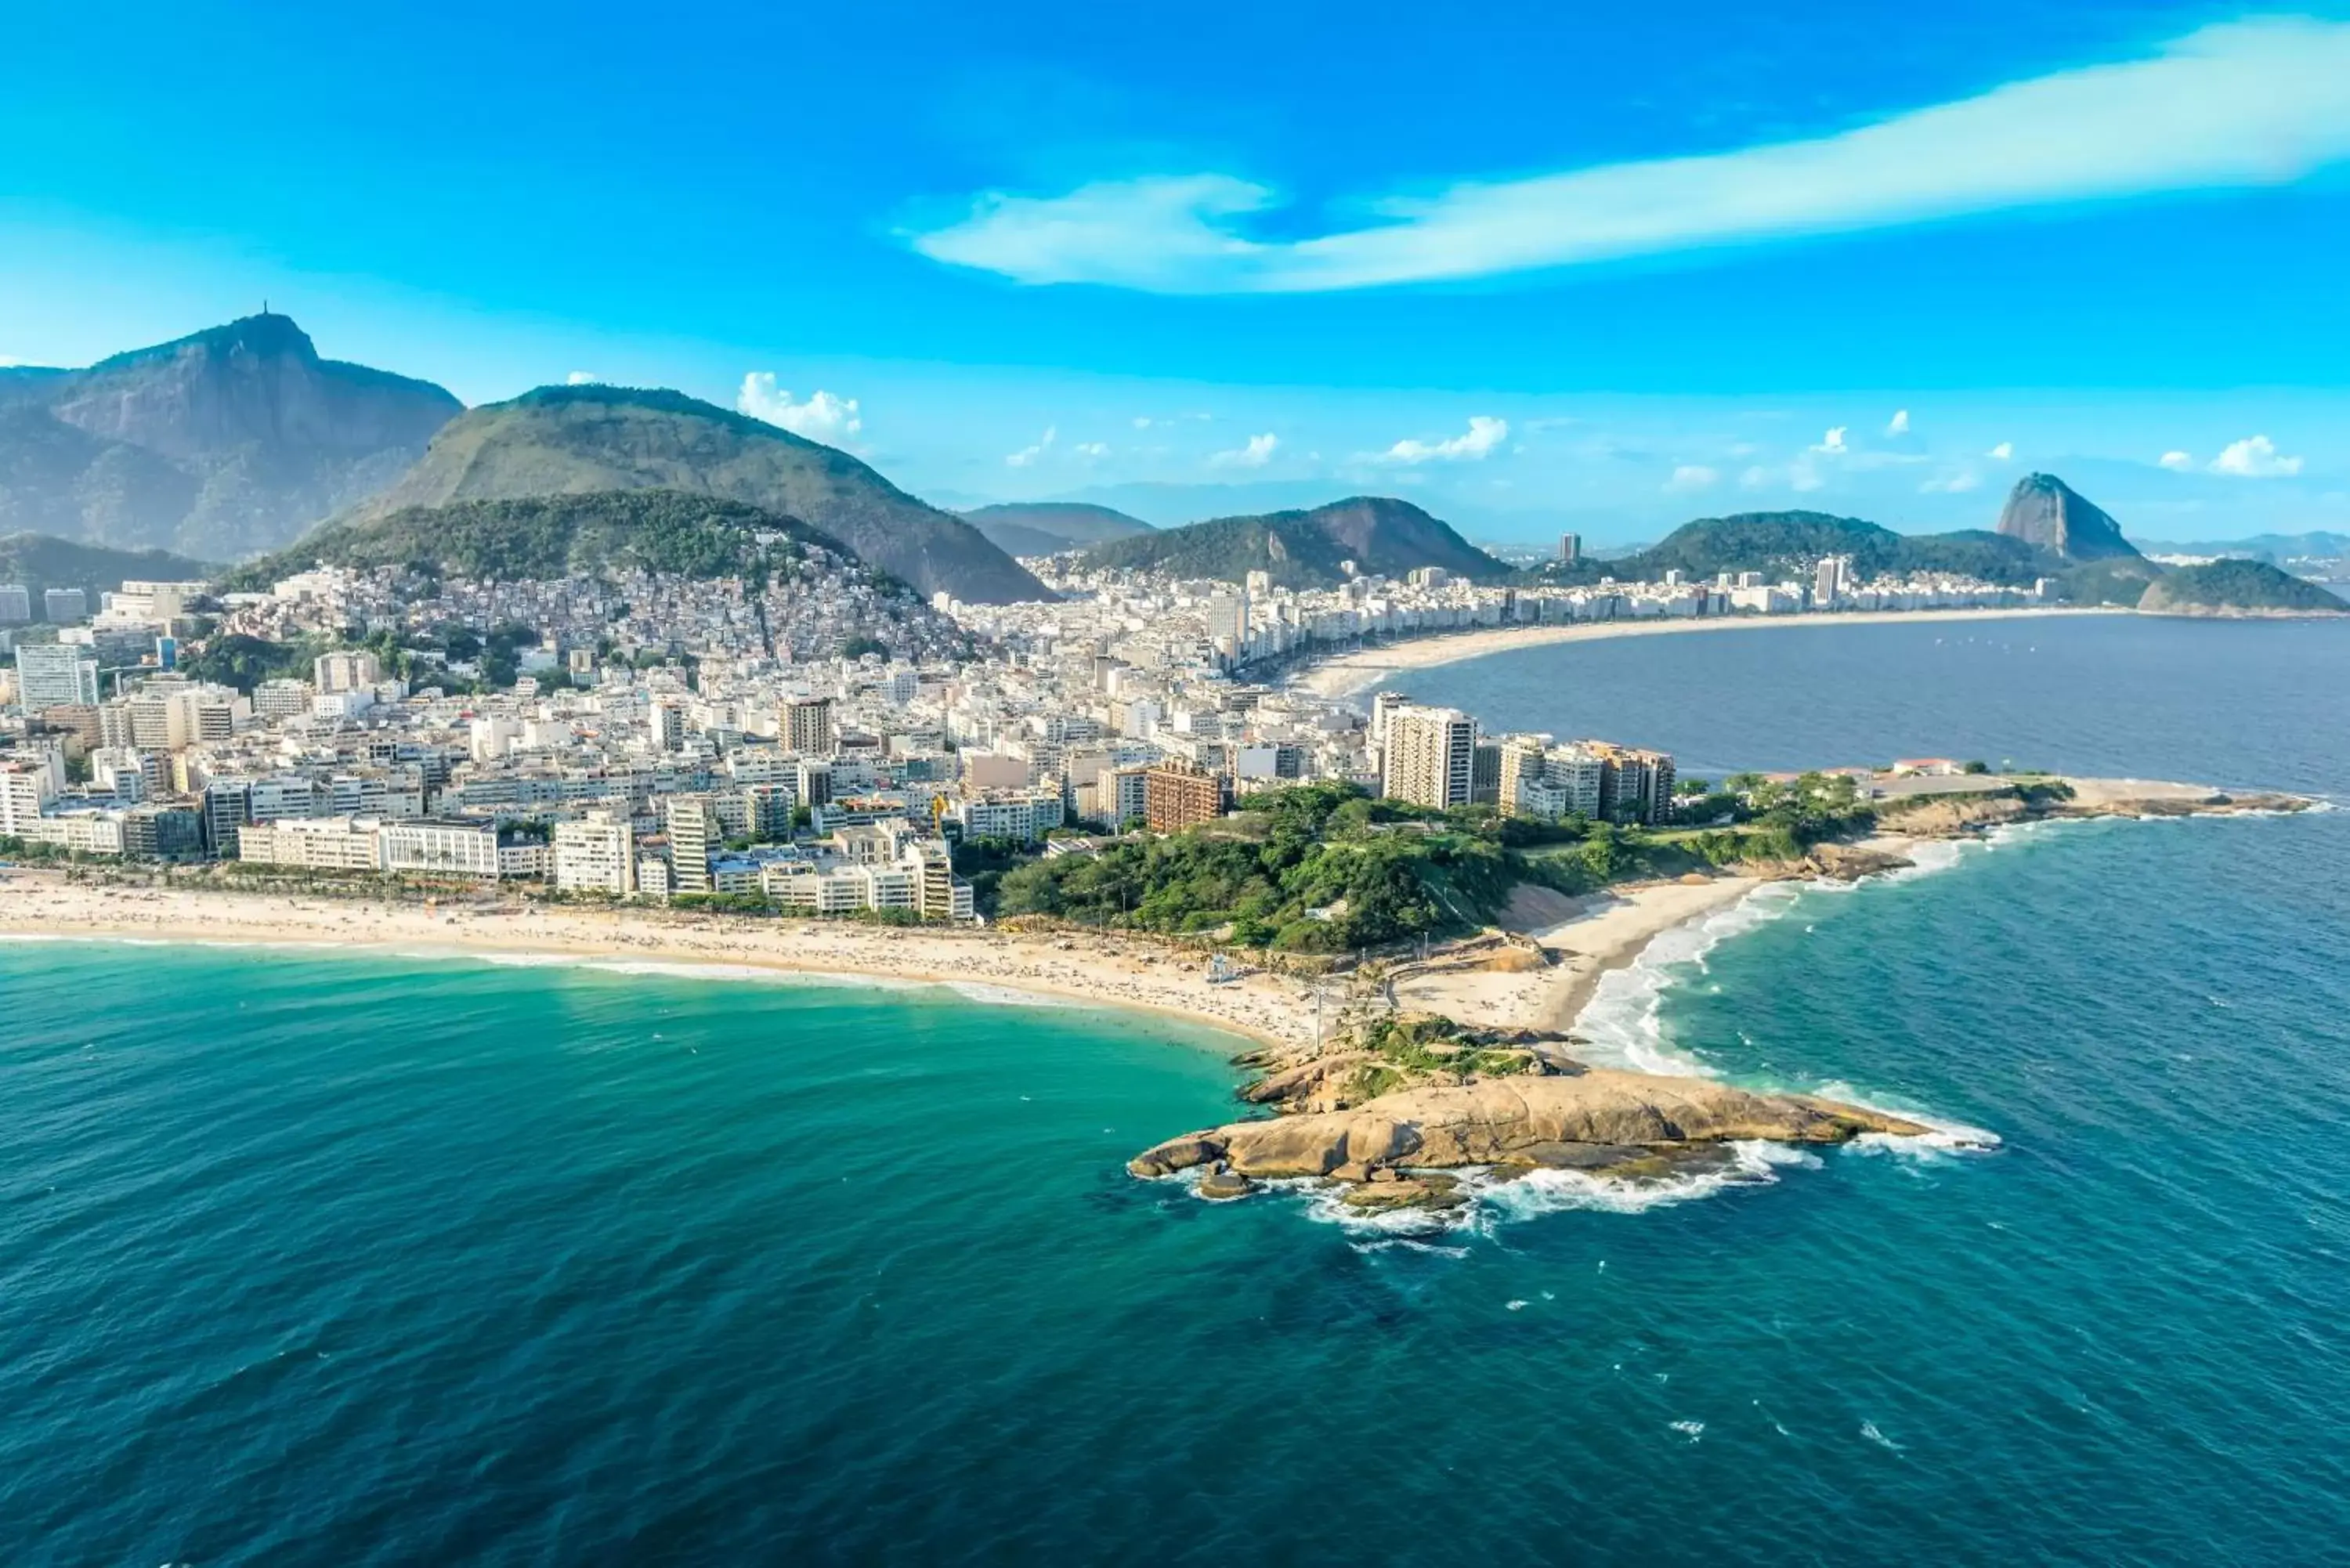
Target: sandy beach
{"points": [[1345, 674], [1595, 934]]}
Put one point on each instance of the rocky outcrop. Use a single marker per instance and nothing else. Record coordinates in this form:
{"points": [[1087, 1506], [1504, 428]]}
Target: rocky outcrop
{"points": [[1601, 1117], [1851, 862], [2044, 510]]}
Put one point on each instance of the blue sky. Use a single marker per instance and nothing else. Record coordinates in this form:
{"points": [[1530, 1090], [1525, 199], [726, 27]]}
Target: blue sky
{"points": [[1531, 267]]}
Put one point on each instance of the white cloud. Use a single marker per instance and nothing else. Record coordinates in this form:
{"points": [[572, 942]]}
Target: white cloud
{"points": [[587, 379], [1471, 445], [1027, 455], [1899, 423], [1142, 422], [2002, 452], [2177, 462], [1804, 474], [1833, 441], [1256, 455], [1692, 476], [834, 421], [1957, 483], [2255, 457], [1755, 478], [2241, 104], [1090, 450]]}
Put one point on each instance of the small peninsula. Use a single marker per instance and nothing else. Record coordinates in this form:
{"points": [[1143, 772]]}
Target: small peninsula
{"points": [[2238, 589]]}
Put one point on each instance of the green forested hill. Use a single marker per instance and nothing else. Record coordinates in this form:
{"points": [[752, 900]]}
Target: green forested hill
{"points": [[1303, 549], [560, 441], [548, 536], [2253, 587], [1049, 527]]}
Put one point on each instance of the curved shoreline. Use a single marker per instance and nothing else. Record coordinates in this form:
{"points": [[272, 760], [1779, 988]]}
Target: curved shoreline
{"points": [[1347, 674]]}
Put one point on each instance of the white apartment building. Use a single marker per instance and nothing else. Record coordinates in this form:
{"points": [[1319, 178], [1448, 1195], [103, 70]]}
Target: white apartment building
{"points": [[595, 855], [24, 791], [468, 849], [1025, 818], [314, 844], [1428, 756], [281, 699], [55, 675]]}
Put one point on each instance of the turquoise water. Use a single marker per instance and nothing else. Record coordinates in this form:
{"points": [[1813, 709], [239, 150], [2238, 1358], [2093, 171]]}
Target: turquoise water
{"points": [[337, 1259]]}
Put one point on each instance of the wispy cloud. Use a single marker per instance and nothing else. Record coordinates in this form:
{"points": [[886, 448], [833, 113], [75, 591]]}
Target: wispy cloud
{"points": [[1027, 455], [2249, 103], [1255, 454], [2255, 457], [1957, 483], [1472, 445], [834, 421], [1899, 424], [2002, 452], [1692, 476], [576, 377], [1833, 443], [2177, 462]]}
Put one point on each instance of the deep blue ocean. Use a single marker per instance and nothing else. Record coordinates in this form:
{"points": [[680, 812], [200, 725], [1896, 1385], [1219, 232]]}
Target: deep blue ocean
{"points": [[357, 1259]]}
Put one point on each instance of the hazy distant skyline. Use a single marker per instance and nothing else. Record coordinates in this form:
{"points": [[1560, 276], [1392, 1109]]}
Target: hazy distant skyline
{"points": [[1606, 275]]}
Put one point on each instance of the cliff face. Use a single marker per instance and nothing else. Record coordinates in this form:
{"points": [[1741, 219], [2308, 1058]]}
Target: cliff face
{"points": [[229, 442], [2044, 510]]}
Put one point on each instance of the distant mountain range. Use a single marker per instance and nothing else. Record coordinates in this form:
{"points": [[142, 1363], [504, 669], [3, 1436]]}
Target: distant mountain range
{"points": [[1304, 549], [560, 441], [1050, 527], [237, 440], [2320, 546], [215, 445]]}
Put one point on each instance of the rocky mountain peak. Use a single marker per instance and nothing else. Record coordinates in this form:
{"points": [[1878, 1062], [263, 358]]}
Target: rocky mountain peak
{"points": [[2044, 510]]}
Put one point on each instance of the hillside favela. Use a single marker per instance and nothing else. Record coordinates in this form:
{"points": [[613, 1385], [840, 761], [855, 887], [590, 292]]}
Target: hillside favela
{"points": [[1080, 863]]}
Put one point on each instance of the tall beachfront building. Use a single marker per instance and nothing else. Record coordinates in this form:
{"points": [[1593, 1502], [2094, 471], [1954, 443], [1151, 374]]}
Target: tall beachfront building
{"points": [[1428, 756]]}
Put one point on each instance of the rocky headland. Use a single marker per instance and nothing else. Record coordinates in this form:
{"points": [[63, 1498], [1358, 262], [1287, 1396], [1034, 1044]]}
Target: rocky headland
{"points": [[1397, 1105]]}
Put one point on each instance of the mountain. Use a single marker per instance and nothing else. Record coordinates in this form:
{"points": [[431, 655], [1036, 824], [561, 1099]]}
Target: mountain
{"points": [[1787, 545], [2321, 546], [229, 440], [1302, 549], [2237, 587], [567, 440], [2044, 510], [544, 537], [1049, 527], [39, 561]]}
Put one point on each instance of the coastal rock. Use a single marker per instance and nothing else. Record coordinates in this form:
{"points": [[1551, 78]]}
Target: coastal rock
{"points": [[1224, 1184], [1427, 1190], [1498, 1120], [1851, 862]]}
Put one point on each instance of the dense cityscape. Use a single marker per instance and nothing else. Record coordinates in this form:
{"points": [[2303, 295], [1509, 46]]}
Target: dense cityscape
{"points": [[660, 738]]}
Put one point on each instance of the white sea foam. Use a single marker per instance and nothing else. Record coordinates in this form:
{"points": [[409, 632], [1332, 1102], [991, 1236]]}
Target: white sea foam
{"points": [[1692, 1430], [1622, 1021], [1753, 1164]]}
